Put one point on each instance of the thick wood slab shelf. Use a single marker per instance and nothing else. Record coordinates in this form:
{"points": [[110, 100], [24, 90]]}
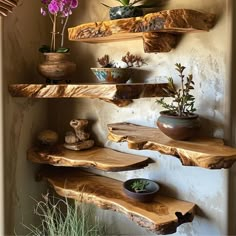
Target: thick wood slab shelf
{"points": [[119, 94], [97, 157], [157, 29], [162, 216], [203, 152]]}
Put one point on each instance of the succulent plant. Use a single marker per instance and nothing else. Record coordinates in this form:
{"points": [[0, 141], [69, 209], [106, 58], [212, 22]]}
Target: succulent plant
{"points": [[139, 185], [128, 60]]}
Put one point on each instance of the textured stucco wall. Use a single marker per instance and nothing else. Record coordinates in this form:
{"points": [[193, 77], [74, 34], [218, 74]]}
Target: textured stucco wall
{"points": [[205, 56], [23, 32]]}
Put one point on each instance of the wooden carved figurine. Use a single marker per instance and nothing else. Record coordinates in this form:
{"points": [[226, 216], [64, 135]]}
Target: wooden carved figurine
{"points": [[79, 139]]}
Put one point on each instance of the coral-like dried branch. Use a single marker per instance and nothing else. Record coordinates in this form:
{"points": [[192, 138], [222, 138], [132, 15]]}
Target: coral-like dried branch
{"points": [[104, 61], [132, 60]]}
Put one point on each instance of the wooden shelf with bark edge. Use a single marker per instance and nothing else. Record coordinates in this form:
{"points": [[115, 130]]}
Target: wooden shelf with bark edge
{"points": [[158, 30], [204, 152], [161, 216], [96, 157], [118, 94]]}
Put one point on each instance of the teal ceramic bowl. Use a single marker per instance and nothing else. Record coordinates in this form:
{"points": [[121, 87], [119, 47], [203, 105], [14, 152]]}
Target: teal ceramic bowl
{"points": [[112, 75]]}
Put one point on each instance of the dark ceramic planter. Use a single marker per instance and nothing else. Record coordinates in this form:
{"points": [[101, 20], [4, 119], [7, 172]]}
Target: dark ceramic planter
{"points": [[124, 12], [178, 128], [152, 188]]}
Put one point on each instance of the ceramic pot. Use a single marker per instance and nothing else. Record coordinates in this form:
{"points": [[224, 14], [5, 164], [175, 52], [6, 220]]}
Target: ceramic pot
{"points": [[112, 75], [147, 196], [178, 128], [56, 66], [124, 12]]}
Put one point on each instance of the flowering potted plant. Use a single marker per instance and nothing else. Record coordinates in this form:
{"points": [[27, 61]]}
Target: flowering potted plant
{"points": [[117, 71], [57, 65], [179, 121]]}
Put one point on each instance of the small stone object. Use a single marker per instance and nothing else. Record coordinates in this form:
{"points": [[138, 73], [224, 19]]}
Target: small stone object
{"points": [[79, 139], [47, 137]]}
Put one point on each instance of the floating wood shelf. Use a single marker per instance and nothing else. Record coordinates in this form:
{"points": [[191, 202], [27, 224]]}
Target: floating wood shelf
{"points": [[119, 94], [204, 152], [158, 30], [162, 216], [7, 6], [97, 157]]}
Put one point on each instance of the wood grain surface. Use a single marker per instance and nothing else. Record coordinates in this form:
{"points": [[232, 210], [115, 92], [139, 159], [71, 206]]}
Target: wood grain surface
{"points": [[203, 152], [167, 21], [96, 157], [119, 94], [163, 215]]}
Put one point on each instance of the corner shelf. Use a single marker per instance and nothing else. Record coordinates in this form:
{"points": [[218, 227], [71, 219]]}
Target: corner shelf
{"points": [[158, 30], [96, 157], [204, 152], [161, 216], [118, 94]]}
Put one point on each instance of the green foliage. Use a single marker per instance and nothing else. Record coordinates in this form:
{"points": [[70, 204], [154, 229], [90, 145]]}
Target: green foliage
{"points": [[134, 2], [59, 217], [46, 48], [183, 101], [139, 185]]}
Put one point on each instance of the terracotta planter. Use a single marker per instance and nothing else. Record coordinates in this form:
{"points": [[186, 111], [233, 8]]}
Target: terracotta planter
{"points": [[147, 196], [178, 128], [56, 66], [124, 12]]}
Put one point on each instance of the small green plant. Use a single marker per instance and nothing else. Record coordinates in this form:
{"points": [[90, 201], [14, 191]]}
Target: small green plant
{"points": [[183, 101], [132, 3], [139, 185], [61, 217]]}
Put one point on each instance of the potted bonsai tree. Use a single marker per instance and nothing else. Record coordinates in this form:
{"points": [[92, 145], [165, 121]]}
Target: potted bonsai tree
{"points": [[128, 8], [178, 120], [140, 189]]}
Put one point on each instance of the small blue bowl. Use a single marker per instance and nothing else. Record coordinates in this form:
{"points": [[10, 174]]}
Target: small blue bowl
{"points": [[112, 75]]}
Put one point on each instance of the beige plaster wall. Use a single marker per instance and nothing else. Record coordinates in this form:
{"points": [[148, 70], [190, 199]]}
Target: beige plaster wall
{"points": [[205, 55], [23, 33]]}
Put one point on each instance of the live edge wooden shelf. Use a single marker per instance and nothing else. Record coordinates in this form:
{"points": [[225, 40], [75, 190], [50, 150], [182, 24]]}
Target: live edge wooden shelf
{"points": [[118, 94], [96, 157], [161, 216], [204, 152], [158, 30]]}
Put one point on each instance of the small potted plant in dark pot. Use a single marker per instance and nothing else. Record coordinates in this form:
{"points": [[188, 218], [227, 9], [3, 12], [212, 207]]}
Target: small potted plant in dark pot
{"points": [[126, 10], [178, 120], [140, 189], [129, 8]]}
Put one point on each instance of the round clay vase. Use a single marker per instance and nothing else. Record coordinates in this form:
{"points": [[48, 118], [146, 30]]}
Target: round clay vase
{"points": [[56, 66], [124, 12], [178, 128]]}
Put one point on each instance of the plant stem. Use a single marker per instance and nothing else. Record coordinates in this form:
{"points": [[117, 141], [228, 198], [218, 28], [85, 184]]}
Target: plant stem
{"points": [[63, 30], [53, 43], [183, 93]]}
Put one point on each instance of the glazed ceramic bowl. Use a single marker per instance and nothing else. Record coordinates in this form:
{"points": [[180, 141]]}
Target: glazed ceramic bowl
{"points": [[112, 75], [151, 189], [120, 12]]}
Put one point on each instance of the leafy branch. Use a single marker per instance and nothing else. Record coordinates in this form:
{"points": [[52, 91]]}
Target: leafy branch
{"points": [[183, 101]]}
